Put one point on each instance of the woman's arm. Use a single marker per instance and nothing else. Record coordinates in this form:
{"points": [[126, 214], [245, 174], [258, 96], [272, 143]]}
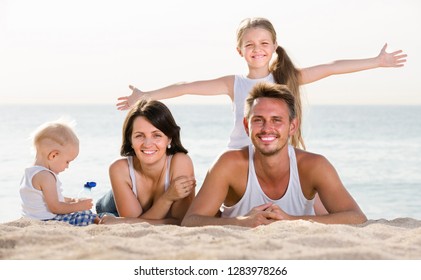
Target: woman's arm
{"points": [[126, 201], [384, 59], [219, 86], [175, 201], [183, 168], [109, 220]]}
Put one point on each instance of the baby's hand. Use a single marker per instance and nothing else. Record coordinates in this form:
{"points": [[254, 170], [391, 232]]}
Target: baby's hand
{"points": [[85, 203]]}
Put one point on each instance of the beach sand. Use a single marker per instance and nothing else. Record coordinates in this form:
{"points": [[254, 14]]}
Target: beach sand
{"points": [[25, 239]]}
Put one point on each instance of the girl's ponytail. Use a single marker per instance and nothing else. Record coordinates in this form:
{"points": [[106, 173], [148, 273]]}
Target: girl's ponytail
{"points": [[284, 72]]}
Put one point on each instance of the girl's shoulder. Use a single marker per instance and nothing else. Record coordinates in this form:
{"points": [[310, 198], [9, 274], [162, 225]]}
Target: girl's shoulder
{"points": [[228, 81]]}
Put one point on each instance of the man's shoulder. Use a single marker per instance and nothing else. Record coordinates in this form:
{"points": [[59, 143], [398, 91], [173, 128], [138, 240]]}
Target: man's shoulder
{"points": [[308, 158], [312, 164], [240, 154], [230, 166], [232, 160]]}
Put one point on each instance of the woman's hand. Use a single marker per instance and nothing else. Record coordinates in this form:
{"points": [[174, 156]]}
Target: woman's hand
{"points": [[180, 188]]}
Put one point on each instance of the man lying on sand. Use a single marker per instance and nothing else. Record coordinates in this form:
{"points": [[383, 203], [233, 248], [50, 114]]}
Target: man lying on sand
{"points": [[270, 180]]}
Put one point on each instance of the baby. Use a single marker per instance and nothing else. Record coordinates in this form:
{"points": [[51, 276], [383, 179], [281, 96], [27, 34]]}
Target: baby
{"points": [[56, 145]]}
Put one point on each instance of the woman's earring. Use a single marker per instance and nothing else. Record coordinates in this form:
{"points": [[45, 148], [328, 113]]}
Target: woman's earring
{"points": [[169, 146]]}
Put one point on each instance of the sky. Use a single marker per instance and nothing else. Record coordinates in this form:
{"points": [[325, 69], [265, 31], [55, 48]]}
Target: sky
{"points": [[90, 51]]}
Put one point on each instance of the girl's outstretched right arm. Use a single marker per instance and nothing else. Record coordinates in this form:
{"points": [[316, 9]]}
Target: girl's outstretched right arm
{"points": [[219, 86]]}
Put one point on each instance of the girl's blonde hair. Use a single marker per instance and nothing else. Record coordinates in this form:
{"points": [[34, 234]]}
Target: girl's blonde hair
{"points": [[282, 69]]}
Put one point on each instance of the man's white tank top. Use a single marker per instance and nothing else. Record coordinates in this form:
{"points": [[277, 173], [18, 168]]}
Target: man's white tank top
{"points": [[242, 87], [293, 202]]}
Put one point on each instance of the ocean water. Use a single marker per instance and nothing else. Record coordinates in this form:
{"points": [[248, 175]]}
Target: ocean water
{"points": [[375, 149]]}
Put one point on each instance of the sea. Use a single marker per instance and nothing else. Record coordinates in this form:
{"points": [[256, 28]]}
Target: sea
{"points": [[376, 150]]}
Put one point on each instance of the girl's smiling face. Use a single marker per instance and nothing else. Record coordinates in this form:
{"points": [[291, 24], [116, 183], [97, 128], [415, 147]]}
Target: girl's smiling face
{"points": [[257, 47]]}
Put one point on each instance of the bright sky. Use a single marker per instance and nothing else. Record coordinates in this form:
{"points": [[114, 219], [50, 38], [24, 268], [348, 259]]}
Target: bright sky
{"points": [[90, 51]]}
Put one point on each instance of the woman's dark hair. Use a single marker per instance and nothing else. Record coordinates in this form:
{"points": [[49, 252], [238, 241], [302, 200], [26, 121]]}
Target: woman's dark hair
{"points": [[159, 116]]}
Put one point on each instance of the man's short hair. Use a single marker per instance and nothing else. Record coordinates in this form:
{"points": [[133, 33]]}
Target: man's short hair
{"points": [[271, 90]]}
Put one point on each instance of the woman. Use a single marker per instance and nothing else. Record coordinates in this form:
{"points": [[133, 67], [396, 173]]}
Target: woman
{"points": [[154, 182]]}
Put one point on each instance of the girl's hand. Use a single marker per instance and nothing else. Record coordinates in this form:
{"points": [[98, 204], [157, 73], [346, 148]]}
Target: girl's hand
{"points": [[394, 59], [128, 101], [180, 188]]}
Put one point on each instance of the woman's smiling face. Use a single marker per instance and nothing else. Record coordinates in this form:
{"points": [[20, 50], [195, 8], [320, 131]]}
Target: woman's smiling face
{"points": [[148, 142]]}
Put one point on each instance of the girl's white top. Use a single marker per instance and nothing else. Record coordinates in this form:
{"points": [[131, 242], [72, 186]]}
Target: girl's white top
{"points": [[242, 87]]}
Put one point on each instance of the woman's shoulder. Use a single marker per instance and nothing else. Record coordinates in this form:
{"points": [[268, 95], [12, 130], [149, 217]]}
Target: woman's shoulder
{"points": [[181, 164], [119, 163], [180, 158]]}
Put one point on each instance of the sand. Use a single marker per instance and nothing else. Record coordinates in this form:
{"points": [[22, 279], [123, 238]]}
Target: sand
{"points": [[25, 239]]}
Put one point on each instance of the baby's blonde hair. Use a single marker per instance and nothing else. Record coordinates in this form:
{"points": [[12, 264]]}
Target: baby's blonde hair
{"points": [[55, 134]]}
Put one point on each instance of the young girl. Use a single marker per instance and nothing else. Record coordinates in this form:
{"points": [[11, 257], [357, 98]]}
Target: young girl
{"points": [[256, 42], [154, 181], [56, 146]]}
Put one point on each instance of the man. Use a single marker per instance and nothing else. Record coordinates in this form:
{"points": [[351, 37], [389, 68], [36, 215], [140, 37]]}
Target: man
{"points": [[270, 180]]}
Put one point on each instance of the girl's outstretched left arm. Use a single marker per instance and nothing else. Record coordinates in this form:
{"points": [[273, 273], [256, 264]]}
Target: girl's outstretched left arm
{"points": [[384, 59]]}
